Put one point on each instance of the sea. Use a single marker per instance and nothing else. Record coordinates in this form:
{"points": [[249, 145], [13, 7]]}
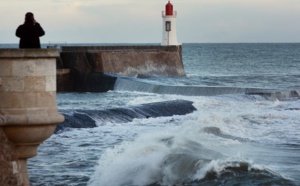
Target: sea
{"points": [[233, 119]]}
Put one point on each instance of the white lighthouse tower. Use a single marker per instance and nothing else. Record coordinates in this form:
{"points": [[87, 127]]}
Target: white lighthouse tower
{"points": [[169, 36]]}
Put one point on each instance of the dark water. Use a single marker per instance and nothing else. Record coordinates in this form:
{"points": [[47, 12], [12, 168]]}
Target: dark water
{"points": [[234, 119]]}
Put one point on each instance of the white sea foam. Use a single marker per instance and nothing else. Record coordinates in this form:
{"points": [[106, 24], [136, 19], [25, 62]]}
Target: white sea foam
{"points": [[251, 126], [236, 126]]}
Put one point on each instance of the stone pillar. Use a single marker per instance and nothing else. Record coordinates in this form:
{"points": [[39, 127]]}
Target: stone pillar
{"points": [[28, 110]]}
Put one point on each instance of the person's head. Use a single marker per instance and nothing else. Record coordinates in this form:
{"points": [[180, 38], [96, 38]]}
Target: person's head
{"points": [[29, 18]]}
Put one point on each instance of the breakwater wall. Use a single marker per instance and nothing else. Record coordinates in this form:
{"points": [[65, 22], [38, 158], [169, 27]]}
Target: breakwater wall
{"points": [[86, 68]]}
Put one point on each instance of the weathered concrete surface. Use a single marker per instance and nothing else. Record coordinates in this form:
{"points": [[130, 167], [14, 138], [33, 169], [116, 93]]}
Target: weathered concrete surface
{"points": [[133, 63], [65, 80], [28, 111], [125, 60], [84, 62], [93, 82], [77, 61]]}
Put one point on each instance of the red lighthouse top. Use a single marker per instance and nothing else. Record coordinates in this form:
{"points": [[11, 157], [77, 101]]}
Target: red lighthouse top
{"points": [[169, 9]]}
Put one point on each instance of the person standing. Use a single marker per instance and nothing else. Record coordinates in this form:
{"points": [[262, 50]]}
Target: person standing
{"points": [[30, 32]]}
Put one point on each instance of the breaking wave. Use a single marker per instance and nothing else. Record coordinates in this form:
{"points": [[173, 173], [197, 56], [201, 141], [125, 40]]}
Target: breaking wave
{"points": [[169, 162], [130, 84], [93, 118]]}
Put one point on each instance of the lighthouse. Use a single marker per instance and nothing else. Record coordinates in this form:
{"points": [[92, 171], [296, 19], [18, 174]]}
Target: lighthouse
{"points": [[169, 36]]}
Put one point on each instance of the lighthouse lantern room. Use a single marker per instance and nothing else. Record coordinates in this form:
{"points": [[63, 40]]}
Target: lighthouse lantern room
{"points": [[169, 36]]}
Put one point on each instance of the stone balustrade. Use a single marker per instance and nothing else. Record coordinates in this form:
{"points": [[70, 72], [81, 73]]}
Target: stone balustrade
{"points": [[28, 110]]}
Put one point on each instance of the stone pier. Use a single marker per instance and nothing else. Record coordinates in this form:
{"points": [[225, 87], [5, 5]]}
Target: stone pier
{"points": [[125, 60], [28, 110], [87, 68]]}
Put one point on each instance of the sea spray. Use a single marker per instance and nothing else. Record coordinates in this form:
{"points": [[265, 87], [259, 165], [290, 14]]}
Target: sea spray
{"points": [[257, 130]]}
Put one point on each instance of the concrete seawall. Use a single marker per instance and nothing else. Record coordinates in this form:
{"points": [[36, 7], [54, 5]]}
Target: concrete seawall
{"points": [[83, 68]]}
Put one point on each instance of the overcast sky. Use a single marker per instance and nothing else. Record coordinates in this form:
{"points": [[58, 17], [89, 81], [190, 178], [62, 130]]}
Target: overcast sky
{"points": [[140, 21]]}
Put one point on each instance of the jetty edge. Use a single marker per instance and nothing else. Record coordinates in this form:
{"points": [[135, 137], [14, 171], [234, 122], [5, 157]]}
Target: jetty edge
{"points": [[95, 68]]}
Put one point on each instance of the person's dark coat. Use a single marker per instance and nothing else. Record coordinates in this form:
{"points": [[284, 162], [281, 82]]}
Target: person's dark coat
{"points": [[29, 35]]}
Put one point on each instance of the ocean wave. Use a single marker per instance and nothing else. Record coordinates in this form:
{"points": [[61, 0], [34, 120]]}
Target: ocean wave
{"points": [[217, 132], [168, 162], [93, 118], [276, 95], [131, 84]]}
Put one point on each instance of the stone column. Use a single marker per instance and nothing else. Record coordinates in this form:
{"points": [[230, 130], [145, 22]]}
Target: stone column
{"points": [[28, 110]]}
